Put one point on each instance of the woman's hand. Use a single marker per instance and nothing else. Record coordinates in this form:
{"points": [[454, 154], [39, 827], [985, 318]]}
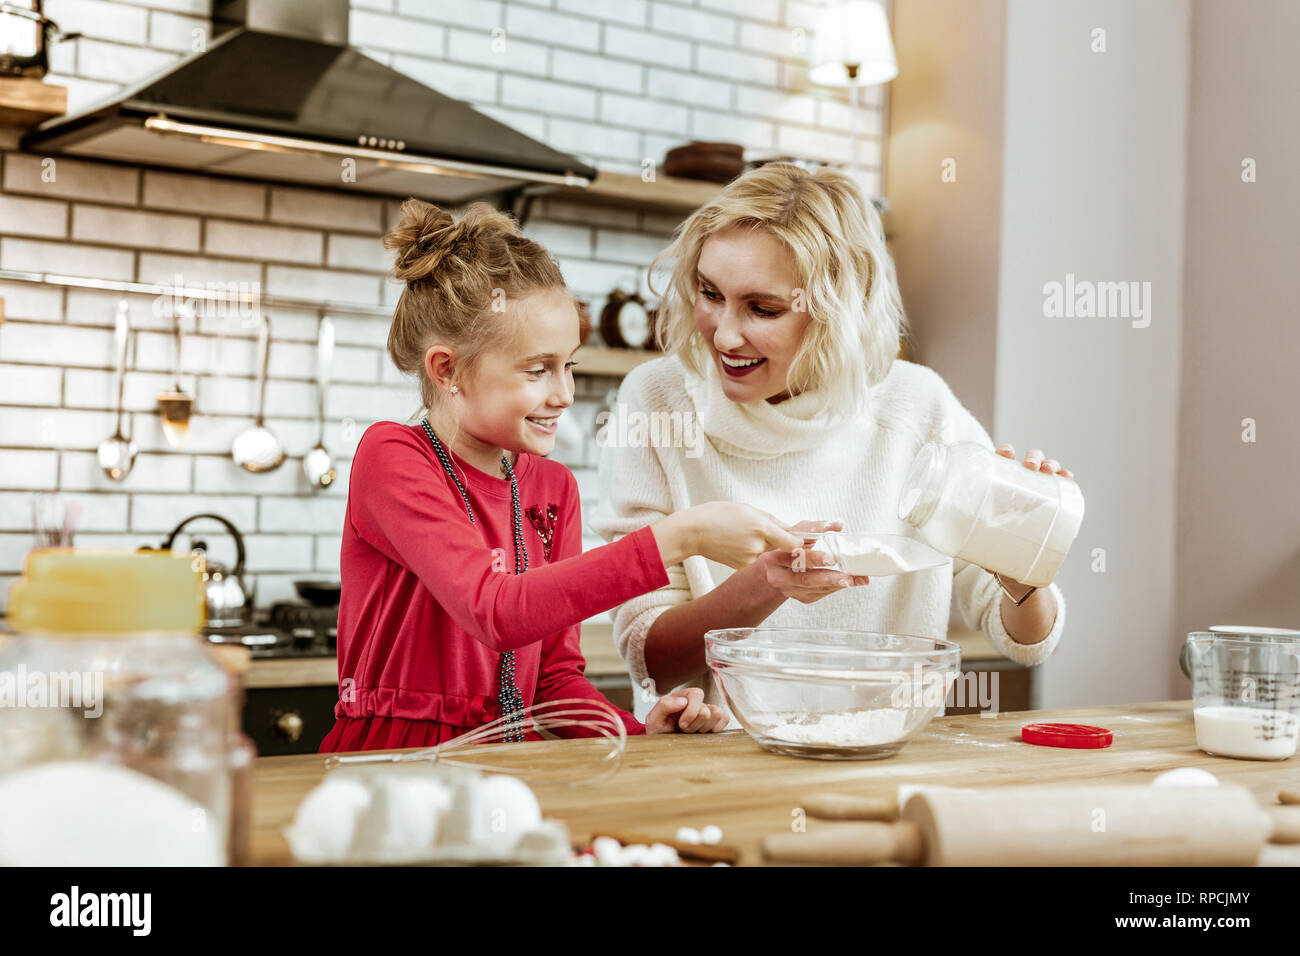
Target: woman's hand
{"points": [[816, 576], [722, 531], [685, 711], [1034, 461]]}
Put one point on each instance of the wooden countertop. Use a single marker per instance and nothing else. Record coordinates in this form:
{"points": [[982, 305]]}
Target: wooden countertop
{"points": [[673, 780]]}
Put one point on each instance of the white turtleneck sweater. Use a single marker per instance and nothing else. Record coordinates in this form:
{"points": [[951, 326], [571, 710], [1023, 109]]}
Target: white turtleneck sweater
{"points": [[797, 466]]}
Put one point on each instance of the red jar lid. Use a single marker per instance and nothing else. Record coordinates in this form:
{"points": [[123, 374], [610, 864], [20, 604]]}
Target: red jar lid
{"points": [[1078, 736]]}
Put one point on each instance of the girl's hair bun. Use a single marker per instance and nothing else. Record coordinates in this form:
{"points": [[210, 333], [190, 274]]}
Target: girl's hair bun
{"points": [[427, 238]]}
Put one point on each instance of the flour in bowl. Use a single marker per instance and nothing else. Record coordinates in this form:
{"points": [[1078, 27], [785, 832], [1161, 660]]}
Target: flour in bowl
{"points": [[862, 728]]}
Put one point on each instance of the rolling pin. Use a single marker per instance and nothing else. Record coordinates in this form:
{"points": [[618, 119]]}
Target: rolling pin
{"points": [[1048, 826]]}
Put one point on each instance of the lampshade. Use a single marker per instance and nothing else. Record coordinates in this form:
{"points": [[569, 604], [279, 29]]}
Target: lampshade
{"points": [[852, 36]]}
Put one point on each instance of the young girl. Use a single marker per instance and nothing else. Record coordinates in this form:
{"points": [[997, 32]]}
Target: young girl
{"points": [[464, 584]]}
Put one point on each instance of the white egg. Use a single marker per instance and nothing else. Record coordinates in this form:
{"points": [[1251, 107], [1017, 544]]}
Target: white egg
{"points": [[491, 812], [402, 820], [688, 835], [711, 834], [608, 850], [1186, 777], [326, 821], [661, 854]]}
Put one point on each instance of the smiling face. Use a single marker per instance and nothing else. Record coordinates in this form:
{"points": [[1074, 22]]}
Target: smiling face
{"points": [[746, 287], [513, 398]]}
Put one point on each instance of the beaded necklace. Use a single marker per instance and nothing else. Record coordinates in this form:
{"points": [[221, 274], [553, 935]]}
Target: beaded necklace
{"points": [[512, 703]]}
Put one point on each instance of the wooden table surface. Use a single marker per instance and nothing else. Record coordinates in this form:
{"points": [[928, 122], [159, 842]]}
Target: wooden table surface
{"points": [[673, 780]]}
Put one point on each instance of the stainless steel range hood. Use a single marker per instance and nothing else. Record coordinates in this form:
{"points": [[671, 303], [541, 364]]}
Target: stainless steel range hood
{"points": [[279, 95]]}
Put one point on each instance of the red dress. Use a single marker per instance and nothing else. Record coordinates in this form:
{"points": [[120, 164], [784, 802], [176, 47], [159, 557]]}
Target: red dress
{"points": [[430, 601]]}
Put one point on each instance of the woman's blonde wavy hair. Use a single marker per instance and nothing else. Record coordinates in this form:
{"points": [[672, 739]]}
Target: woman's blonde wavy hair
{"points": [[456, 271], [844, 269]]}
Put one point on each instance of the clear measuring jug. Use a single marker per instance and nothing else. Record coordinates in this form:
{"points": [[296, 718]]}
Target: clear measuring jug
{"points": [[1246, 693]]}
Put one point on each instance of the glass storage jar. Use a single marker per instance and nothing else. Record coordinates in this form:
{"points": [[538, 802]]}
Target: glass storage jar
{"points": [[114, 733], [971, 503]]}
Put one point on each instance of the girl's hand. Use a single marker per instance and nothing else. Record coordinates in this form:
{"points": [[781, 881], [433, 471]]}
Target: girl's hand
{"points": [[685, 711], [818, 577], [1034, 461], [735, 534]]}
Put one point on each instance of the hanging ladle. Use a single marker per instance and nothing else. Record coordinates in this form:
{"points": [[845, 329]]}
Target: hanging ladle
{"points": [[117, 454], [177, 406], [317, 464], [258, 449]]}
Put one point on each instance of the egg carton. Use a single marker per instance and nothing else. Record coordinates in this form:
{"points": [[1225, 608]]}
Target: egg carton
{"points": [[416, 814]]}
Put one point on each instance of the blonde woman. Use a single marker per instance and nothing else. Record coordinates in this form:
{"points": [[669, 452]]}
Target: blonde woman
{"points": [[780, 324]]}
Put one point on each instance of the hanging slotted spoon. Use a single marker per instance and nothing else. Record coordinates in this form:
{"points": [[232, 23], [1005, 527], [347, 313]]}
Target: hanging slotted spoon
{"points": [[317, 464]]}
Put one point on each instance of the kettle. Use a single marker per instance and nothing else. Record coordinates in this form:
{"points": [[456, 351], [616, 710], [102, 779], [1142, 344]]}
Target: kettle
{"points": [[229, 602]]}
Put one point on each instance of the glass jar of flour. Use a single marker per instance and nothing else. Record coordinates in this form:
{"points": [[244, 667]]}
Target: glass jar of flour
{"points": [[114, 717], [973, 504]]}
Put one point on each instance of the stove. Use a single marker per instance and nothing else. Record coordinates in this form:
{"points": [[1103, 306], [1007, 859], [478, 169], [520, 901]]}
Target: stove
{"points": [[286, 629]]}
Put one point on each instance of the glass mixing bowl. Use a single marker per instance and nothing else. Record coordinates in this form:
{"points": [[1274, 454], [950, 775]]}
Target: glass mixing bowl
{"points": [[831, 694]]}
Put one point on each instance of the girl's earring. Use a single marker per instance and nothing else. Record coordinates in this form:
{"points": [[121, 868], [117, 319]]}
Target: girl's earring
{"points": [[455, 389]]}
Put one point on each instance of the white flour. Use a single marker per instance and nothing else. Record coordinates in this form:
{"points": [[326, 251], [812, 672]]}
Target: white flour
{"points": [[874, 556], [853, 729]]}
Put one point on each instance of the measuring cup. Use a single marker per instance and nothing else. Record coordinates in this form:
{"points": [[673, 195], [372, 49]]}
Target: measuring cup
{"points": [[1246, 693]]}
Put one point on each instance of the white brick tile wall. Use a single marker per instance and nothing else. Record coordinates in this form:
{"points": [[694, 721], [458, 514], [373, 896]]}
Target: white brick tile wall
{"points": [[272, 243], [613, 81], [33, 217], [143, 230], [200, 194]]}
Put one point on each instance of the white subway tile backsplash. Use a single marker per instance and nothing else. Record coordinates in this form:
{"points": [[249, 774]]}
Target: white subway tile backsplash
{"points": [[279, 552], [81, 92], [238, 396], [777, 104], [769, 10], [355, 330], [358, 252], [401, 35], [632, 12], [164, 269], [630, 247], [311, 207], [273, 243], [144, 230], [302, 514], [561, 98], [114, 63], [643, 114], [697, 24], [485, 14], [32, 469], [592, 68], [594, 140], [91, 388], [557, 29], [213, 473], [13, 551], [33, 217], [98, 19], [54, 344], [29, 384], [200, 194], [26, 301], [328, 548], [561, 238], [738, 67], [774, 41], [501, 52], [30, 255], [159, 514], [181, 34], [170, 471], [369, 401], [100, 512], [321, 285], [833, 114], [53, 427], [475, 84], [351, 363], [688, 88], [750, 132], [634, 45]]}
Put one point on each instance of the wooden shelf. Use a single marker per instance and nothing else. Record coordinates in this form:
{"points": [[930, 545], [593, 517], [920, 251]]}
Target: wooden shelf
{"points": [[27, 102], [666, 192], [605, 361]]}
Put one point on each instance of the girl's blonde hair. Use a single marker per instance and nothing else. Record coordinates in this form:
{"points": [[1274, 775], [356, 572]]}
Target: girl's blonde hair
{"points": [[845, 272], [456, 272]]}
